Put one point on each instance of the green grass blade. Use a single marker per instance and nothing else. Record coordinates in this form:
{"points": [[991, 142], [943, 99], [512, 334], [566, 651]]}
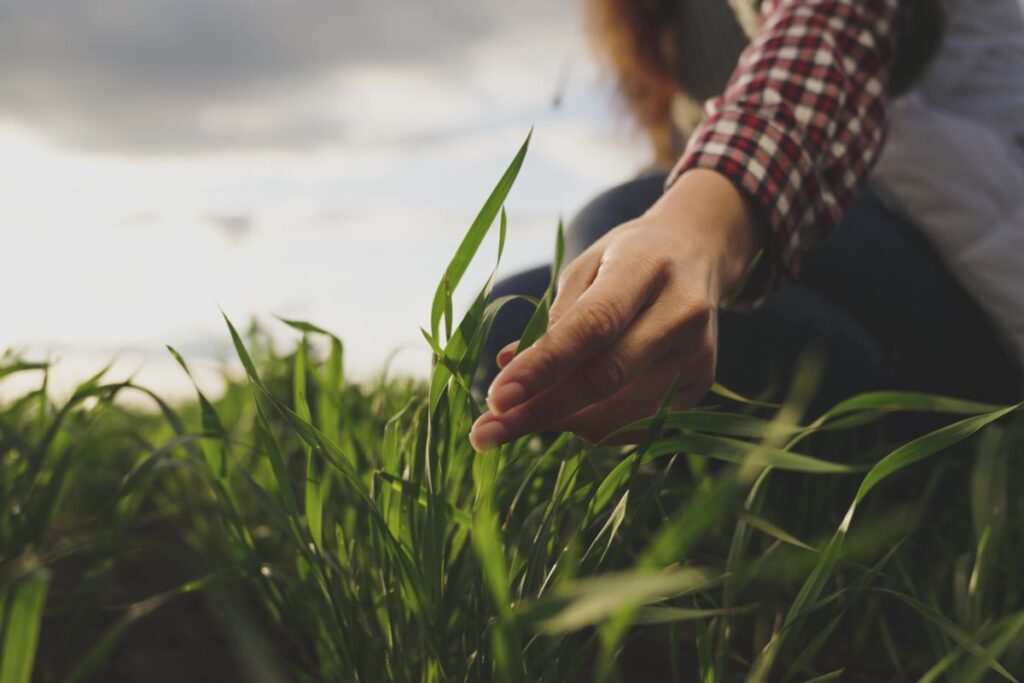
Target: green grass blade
{"points": [[21, 627], [474, 237], [505, 640], [586, 602], [743, 452], [926, 446], [313, 498]]}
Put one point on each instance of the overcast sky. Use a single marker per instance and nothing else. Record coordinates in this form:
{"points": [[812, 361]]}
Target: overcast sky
{"points": [[309, 158]]}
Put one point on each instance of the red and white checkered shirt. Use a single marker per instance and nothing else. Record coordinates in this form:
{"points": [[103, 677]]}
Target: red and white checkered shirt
{"points": [[802, 119]]}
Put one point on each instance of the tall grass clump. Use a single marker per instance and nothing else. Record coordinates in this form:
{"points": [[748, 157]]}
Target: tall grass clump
{"points": [[350, 533]]}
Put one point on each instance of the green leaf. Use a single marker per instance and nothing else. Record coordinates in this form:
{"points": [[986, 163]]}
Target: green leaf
{"points": [[742, 452], [21, 626], [474, 237], [586, 602], [926, 446], [538, 323]]}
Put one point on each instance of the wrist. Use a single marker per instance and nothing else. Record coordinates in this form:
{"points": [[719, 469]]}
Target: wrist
{"points": [[706, 206]]}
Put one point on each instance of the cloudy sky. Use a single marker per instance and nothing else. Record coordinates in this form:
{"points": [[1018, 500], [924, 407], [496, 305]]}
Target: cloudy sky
{"points": [[308, 158]]}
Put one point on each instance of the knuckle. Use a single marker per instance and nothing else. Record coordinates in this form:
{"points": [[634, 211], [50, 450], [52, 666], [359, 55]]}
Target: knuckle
{"points": [[600, 323], [543, 364], [608, 376], [700, 314], [570, 272], [660, 266]]}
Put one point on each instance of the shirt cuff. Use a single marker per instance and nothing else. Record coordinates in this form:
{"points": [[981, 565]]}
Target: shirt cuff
{"points": [[771, 167]]}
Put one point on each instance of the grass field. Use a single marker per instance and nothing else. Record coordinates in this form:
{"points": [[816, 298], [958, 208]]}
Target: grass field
{"points": [[303, 528]]}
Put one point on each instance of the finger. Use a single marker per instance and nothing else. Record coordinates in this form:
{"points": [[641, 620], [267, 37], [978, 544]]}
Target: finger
{"points": [[507, 353], [641, 399], [573, 281], [638, 400], [487, 433], [660, 332], [593, 323]]}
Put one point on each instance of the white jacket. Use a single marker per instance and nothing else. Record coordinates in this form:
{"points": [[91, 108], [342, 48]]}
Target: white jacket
{"points": [[954, 161]]}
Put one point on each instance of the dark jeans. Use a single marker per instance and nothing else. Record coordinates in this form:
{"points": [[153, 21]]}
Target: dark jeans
{"points": [[873, 299]]}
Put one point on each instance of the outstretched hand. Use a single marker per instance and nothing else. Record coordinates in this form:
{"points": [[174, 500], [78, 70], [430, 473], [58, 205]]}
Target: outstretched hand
{"points": [[634, 312]]}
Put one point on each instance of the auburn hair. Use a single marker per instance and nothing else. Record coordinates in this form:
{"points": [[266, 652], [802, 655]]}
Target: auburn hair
{"points": [[633, 38]]}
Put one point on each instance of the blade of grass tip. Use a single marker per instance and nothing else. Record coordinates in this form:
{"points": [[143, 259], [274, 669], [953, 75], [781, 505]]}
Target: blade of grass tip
{"points": [[21, 366], [306, 327], [475, 236], [216, 453], [331, 384], [731, 395], [462, 355], [610, 528], [21, 627], [909, 401], [243, 353], [881, 403], [924, 447], [763, 525], [830, 676]]}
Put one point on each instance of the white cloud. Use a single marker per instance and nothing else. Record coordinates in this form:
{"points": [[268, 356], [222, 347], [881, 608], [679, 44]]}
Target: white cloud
{"points": [[349, 218]]}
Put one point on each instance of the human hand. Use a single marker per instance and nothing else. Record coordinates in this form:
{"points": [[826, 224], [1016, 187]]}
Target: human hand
{"points": [[633, 312]]}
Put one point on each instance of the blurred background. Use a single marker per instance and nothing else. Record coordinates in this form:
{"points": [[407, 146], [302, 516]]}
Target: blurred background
{"points": [[318, 159]]}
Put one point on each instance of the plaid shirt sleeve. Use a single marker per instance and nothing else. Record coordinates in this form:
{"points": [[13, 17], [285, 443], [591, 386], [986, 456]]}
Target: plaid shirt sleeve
{"points": [[802, 119]]}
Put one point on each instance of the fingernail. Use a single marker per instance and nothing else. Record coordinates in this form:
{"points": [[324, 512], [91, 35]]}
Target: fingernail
{"points": [[505, 357], [487, 434], [506, 397]]}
